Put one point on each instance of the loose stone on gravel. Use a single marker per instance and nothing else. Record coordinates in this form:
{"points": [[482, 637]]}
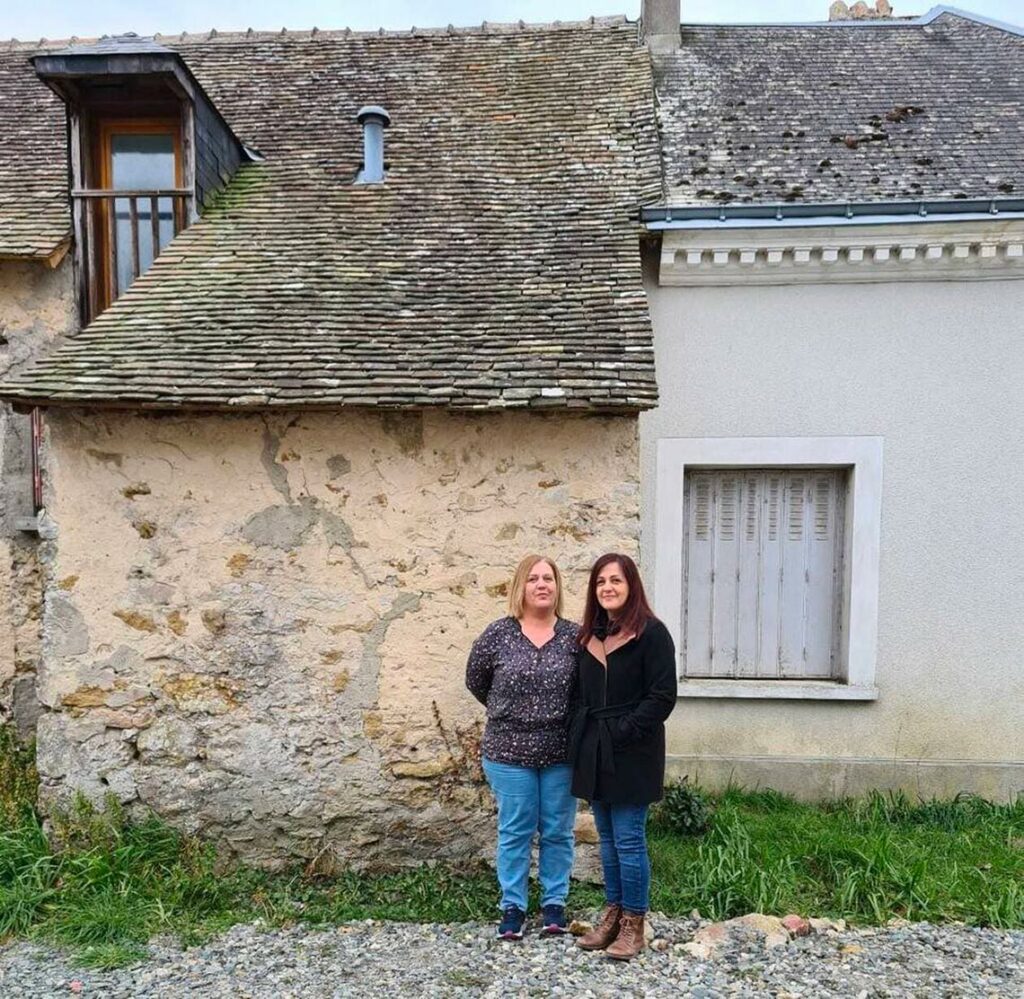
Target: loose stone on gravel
{"points": [[374, 959]]}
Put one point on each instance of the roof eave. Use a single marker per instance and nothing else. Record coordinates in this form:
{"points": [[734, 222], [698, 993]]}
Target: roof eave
{"points": [[51, 256], [27, 401]]}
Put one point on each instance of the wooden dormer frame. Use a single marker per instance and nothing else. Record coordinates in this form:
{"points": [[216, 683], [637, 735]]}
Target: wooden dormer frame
{"points": [[102, 275], [90, 171]]}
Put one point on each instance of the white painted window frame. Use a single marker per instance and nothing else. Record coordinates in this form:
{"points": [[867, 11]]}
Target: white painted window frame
{"points": [[862, 456]]}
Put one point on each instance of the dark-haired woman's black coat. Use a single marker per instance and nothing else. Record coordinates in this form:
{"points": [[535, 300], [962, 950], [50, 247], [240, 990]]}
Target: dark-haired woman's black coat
{"points": [[617, 740]]}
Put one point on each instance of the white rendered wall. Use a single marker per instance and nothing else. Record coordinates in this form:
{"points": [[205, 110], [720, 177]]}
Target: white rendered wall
{"points": [[937, 370]]}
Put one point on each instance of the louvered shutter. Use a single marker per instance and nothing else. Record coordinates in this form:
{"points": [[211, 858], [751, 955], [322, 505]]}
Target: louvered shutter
{"points": [[763, 572]]}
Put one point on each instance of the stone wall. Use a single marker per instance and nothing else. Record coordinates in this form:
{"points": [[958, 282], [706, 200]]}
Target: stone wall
{"points": [[37, 307], [257, 626]]}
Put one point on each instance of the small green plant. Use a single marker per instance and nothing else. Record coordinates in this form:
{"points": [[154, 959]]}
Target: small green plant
{"points": [[81, 826], [18, 778], [464, 979], [111, 955], [685, 809]]}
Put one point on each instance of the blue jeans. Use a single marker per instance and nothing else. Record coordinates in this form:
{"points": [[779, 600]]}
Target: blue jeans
{"points": [[533, 800], [627, 869]]}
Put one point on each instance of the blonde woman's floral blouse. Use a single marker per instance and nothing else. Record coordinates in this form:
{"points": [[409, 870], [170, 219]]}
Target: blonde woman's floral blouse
{"points": [[527, 692]]}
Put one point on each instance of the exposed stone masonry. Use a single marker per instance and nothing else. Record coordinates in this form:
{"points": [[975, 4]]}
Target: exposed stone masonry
{"points": [[36, 307]]}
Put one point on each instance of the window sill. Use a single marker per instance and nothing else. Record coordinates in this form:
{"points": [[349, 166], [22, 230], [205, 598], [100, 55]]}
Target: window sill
{"points": [[800, 690]]}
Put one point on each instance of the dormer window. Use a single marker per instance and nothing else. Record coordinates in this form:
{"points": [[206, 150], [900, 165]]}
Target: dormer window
{"points": [[148, 148]]}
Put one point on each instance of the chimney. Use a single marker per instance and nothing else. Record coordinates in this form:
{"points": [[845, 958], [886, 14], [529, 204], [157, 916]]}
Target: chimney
{"points": [[860, 11], [374, 120], [659, 23]]}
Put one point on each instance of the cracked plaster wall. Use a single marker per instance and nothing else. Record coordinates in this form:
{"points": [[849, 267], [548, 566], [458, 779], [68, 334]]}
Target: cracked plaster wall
{"points": [[250, 620], [37, 307]]}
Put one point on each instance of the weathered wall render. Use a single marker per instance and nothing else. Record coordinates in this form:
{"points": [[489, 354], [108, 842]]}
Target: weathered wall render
{"points": [[250, 619]]}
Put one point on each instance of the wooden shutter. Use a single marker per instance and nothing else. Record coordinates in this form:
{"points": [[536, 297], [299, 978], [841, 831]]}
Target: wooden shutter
{"points": [[763, 572]]}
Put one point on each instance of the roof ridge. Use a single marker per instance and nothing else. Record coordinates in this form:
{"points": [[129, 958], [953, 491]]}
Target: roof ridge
{"points": [[214, 34], [969, 15], [895, 21]]}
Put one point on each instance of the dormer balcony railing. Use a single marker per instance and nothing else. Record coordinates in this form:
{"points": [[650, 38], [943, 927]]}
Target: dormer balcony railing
{"points": [[125, 232]]}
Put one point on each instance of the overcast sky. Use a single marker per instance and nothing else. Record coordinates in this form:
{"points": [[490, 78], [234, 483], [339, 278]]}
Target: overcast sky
{"points": [[62, 18]]}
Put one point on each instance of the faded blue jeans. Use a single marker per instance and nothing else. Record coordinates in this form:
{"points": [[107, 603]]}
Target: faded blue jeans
{"points": [[627, 869], [533, 800]]}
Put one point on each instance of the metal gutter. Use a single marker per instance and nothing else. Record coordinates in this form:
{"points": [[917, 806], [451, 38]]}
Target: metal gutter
{"points": [[809, 223], [833, 214]]}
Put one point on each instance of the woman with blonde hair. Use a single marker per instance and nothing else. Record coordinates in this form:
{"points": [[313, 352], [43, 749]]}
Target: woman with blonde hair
{"points": [[522, 668]]}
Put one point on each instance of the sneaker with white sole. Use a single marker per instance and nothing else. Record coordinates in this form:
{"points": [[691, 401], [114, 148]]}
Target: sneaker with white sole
{"points": [[552, 920], [511, 925]]}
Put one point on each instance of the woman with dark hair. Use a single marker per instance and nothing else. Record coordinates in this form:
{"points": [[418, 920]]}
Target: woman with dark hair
{"points": [[626, 688]]}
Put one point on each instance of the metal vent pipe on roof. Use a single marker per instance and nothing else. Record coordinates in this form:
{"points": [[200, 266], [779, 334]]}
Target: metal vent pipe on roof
{"points": [[374, 120]]}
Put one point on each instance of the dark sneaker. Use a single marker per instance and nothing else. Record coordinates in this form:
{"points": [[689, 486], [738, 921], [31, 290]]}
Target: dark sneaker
{"points": [[552, 920], [511, 925]]}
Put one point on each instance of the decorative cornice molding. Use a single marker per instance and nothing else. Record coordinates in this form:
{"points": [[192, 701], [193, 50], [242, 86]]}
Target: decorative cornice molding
{"points": [[943, 251]]}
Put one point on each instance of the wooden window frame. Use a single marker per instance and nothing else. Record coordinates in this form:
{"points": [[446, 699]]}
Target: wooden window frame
{"points": [[104, 278]]}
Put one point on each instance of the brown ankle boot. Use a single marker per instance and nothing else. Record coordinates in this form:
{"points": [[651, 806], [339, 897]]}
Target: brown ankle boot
{"points": [[605, 932], [630, 940]]}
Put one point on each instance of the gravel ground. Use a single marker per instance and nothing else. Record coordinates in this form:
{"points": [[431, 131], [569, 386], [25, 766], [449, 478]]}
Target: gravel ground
{"points": [[395, 960]]}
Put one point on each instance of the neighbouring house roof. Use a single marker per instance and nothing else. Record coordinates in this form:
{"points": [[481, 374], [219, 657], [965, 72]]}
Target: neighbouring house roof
{"points": [[35, 221], [496, 266], [905, 110]]}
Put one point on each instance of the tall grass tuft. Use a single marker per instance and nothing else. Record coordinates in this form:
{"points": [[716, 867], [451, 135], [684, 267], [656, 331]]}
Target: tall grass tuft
{"points": [[867, 860]]}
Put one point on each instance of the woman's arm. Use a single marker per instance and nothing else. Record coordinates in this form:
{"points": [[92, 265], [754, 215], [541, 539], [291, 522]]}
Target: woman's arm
{"points": [[480, 665], [659, 696]]}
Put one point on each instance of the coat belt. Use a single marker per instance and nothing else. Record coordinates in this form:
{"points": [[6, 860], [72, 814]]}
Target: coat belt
{"points": [[602, 716]]}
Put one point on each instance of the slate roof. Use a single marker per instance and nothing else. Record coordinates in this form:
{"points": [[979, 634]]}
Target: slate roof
{"points": [[111, 45], [34, 215], [918, 110], [497, 266]]}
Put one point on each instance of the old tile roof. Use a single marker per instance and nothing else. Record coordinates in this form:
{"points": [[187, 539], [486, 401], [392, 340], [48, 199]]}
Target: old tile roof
{"points": [[34, 215], [497, 265], [925, 109]]}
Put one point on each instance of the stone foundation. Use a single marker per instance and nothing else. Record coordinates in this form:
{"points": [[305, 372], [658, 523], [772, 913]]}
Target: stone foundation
{"points": [[257, 627]]}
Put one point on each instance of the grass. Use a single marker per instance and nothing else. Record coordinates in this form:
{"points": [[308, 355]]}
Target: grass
{"points": [[113, 884], [867, 861]]}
